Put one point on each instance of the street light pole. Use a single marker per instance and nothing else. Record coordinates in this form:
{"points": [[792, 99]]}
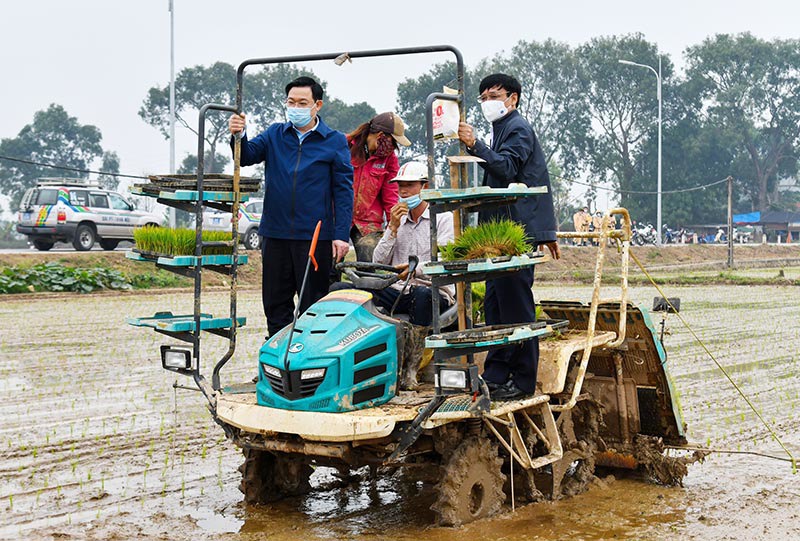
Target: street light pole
{"points": [[172, 100], [658, 93]]}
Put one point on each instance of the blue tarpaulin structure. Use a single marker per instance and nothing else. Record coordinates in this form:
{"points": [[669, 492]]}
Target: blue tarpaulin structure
{"points": [[748, 218]]}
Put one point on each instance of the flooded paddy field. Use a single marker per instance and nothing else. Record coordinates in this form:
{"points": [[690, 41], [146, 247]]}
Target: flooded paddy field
{"points": [[95, 443]]}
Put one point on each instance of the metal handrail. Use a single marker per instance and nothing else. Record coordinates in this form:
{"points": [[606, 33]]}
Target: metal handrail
{"points": [[237, 156], [198, 252], [624, 236]]}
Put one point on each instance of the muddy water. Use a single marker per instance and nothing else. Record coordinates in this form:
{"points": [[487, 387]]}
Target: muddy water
{"points": [[96, 444]]}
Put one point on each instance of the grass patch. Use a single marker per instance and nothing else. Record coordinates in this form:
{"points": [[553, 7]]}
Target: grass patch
{"points": [[163, 240], [56, 277], [157, 279], [490, 239]]}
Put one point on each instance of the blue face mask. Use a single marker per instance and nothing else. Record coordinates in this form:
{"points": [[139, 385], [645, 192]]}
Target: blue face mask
{"points": [[412, 201], [299, 116]]}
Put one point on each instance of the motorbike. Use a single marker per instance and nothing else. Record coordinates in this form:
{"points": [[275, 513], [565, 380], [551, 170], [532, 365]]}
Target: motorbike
{"points": [[643, 234], [669, 236]]}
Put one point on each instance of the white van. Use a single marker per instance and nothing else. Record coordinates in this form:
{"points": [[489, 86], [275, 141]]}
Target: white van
{"points": [[249, 218], [77, 211]]}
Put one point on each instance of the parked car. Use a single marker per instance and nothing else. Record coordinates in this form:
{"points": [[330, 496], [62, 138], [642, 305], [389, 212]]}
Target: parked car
{"points": [[80, 212], [249, 218]]}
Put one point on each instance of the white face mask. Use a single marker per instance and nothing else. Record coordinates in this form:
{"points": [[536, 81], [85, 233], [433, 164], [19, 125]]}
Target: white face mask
{"points": [[494, 109]]}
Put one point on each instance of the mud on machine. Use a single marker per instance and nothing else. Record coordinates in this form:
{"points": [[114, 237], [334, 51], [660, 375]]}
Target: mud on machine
{"points": [[347, 386]]}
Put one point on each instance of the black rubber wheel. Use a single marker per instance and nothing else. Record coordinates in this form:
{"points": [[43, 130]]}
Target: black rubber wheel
{"points": [[85, 237], [251, 239], [268, 477], [43, 245], [471, 486], [109, 244]]}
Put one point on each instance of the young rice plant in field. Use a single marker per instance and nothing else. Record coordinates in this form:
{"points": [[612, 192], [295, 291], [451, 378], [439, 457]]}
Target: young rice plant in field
{"points": [[163, 240], [490, 239]]}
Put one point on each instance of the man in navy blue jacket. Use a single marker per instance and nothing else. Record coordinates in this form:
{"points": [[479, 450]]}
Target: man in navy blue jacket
{"points": [[308, 177], [514, 156]]}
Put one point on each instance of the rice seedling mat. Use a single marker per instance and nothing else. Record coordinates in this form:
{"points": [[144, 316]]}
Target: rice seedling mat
{"points": [[168, 322]]}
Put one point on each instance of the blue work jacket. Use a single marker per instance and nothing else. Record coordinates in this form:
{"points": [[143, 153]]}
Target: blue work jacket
{"points": [[516, 156], [304, 182]]}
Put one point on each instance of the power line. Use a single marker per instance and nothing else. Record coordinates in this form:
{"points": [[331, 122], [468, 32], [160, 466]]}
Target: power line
{"points": [[65, 168], [573, 181], [683, 190]]}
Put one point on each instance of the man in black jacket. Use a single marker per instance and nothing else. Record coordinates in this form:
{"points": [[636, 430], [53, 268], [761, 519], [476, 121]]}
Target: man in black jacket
{"points": [[514, 156]]}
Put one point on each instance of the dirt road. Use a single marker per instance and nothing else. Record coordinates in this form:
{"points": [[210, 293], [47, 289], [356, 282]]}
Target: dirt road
{"points": [[93, 448]]}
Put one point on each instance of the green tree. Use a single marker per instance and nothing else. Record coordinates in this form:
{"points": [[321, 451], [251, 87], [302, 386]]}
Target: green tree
{"points": [[211, 164], [696, 152], [622, 105], [750, 86], [345, 118], [552, 101], [194, 87], [411, 96], [53, 137], [263, 97], [110, 167]]}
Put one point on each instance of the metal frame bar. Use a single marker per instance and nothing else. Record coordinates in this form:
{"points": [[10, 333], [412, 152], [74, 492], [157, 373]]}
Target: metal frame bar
{"points": [[198, 250], [237, 155], [624, 235], [554, 450]]}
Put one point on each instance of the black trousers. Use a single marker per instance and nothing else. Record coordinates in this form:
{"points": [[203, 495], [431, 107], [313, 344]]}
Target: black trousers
{"points": [[364, 244], [283, 265], [510, 300], [417, 303]]}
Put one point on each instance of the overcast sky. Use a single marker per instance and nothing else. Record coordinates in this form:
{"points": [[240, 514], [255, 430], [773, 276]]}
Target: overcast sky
{"points": [[98, 58]]}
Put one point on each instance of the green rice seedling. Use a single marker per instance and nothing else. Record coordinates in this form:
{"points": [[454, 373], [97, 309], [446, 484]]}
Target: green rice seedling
{"points": [[487, 240], [173, 242], [478, 294]]}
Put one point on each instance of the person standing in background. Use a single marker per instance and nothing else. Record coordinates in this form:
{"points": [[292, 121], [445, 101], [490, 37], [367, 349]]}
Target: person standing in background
{"points": [[373, 154]]}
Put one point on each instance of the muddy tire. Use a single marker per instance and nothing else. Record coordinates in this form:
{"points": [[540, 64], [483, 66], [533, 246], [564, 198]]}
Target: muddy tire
{"points": [[526, 479], [471, 485], [267, 477], [579, 430]]}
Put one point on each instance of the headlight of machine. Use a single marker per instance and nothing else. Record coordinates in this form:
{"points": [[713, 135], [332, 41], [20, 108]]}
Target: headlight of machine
{"points": [[313, 373], [453, 379], [271, 371]]}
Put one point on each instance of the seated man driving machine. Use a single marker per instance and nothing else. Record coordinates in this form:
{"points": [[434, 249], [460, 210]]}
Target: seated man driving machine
{"points": [[408, 234]]}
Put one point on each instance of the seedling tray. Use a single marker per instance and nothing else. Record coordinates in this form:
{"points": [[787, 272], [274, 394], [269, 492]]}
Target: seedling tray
{"points": [[184, 260], [463, 266], [168, 322], [211, 182], [492, 336], [186, 195], [455, 195]]}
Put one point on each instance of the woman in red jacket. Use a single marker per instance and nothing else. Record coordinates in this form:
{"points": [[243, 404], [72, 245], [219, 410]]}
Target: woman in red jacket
{"points": [[373, 147]]}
